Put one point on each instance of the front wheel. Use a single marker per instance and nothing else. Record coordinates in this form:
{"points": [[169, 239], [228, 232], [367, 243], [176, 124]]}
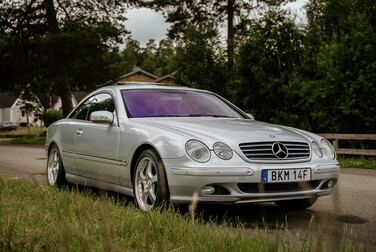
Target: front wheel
{"points": [[297, 204], [55, 168], [150, 183]]}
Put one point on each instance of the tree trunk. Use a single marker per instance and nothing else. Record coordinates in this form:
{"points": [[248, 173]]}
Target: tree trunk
{"points": [[64, 88], [53, 25], [230, 34], [66, 100], [27, 119]]}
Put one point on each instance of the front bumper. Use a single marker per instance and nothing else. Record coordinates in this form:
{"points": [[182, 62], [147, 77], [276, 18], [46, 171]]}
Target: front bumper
{"points": [[240, 182]]}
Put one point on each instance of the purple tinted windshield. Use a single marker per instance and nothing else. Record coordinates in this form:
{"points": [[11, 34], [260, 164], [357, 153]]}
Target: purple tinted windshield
{"points": [[175, 103]]}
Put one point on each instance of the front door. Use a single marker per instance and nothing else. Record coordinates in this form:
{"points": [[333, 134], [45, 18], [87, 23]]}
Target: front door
{"points": [[96, 145]]}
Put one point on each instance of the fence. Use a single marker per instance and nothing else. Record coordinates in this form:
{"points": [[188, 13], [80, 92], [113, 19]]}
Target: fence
{"points": [[335, 138]]}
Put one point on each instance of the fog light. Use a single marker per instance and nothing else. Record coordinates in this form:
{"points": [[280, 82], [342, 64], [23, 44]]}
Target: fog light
{"points": [[331, 183], [207, 190]]}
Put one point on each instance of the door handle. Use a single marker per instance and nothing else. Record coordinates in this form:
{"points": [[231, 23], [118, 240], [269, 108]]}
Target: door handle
{"points": [[79, 132]]}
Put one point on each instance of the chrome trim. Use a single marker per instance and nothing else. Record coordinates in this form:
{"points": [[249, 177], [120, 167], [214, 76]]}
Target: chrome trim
{"points": [[212, 171], [272, 150]]}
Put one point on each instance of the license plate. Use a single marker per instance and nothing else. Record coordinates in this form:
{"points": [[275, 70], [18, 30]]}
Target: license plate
{"points": [[286, 175]]}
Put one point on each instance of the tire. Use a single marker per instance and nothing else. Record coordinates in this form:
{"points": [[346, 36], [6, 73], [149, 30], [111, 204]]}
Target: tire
{"points": [[55, 168], [298, 204], [150, 188]]}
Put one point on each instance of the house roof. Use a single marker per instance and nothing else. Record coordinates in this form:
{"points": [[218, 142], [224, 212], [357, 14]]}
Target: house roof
{"points": [[170, 75], [7, 100], [138, 70]]}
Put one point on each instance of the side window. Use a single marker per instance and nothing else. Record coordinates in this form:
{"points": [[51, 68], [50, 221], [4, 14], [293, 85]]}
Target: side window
{"points": [[102, 102], [95, 103], [83, 110]]}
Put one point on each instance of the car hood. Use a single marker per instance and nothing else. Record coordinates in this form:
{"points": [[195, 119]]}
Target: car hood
{"points": [[227, 130]]}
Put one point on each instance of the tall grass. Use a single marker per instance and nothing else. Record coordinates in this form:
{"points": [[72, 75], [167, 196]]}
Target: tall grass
{"points": [[34, 218]]}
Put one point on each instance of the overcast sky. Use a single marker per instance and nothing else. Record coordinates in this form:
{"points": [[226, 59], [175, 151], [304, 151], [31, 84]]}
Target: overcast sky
{"points": [[145, 24]]}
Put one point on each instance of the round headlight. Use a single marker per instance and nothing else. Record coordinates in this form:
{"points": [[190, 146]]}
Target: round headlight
{"points": [[197, 151], [317, 149], [328, 149], [223, 151]]}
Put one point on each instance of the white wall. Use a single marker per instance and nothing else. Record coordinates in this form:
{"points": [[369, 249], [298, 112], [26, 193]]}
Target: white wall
{"points": [[6, 114]]}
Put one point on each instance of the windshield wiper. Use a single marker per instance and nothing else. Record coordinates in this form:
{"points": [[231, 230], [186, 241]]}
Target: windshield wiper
{"points": [[209, 115]]}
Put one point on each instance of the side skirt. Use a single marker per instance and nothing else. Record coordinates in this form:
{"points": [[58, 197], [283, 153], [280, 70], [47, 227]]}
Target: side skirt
{"points": [[76, 179]]}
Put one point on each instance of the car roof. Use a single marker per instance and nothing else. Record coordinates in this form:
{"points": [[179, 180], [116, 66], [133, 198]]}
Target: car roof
{"points": [[148, 85]]}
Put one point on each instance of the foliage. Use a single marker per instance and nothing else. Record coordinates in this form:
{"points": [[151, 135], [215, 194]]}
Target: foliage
{"points": [[51, 116], [336, 81], [214, 13], [158, 60], [59, 46], [198, 62], [357, 162], [266, 61]]}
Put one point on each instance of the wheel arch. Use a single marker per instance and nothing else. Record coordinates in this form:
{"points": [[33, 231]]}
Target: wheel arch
{"points": [[137, 153]]}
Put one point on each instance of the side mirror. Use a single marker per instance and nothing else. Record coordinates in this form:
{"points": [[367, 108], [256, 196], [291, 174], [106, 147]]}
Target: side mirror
{"points": [[102, 116], [250, 116]]}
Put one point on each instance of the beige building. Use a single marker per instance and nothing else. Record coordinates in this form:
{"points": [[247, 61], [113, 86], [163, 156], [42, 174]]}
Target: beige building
{"points": [[140, 75]]}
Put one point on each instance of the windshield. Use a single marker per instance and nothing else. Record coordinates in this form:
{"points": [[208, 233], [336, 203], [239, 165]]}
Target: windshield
{"points": [[175, 103]]}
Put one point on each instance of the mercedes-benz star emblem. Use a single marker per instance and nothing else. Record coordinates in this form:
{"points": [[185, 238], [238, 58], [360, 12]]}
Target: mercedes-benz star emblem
{"points": [[280, 150]]}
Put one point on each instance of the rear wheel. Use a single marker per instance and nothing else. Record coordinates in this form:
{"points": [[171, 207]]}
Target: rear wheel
{"points": [[55, 168], [150, 183], [298, 204]]}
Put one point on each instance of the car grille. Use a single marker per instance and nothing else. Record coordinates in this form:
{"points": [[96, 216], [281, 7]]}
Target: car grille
{"points": [[263, 150], [279, 187]]}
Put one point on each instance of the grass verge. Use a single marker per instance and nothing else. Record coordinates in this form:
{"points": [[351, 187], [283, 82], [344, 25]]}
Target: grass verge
{"points": [[34, 218], [29, 140], [357, 162], [35, 131]]}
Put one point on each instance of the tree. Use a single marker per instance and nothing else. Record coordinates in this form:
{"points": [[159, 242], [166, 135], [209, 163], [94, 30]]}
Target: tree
{"points": [[187, 13], [199, 61], [267, 60], [335, 81], [67, 45]]}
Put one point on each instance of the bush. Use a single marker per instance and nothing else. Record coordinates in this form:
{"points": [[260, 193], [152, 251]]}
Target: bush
{"points": [[51, 116]]}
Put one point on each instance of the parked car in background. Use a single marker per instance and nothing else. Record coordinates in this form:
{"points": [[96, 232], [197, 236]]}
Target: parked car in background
{"points": [[8, 126], [164, 144]]}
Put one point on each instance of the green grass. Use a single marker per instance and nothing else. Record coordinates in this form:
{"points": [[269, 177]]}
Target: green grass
{"points": [[357, 162], [34, 218], [41, 218], [24, 131], [32, 140]]}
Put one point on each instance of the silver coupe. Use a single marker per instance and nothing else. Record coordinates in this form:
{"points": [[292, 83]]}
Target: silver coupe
{"points": [[162, 144]]}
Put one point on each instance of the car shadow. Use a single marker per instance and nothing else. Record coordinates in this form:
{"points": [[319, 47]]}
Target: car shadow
{"points": [[255, 216]]}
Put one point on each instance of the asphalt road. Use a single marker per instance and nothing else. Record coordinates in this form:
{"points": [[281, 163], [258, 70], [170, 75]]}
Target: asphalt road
{"points": [[349, 213]]}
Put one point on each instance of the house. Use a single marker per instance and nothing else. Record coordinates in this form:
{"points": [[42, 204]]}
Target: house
{"points": [[168, 79], [12, 108], [140, 75]]}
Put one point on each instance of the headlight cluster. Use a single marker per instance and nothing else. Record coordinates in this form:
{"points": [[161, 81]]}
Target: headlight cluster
{"points": [[199, 152], [222, 151], [325, 150], [328, 149]]}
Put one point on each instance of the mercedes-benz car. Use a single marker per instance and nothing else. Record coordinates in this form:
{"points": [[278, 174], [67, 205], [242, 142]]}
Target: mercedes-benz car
{"points": [[168, 144]]}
